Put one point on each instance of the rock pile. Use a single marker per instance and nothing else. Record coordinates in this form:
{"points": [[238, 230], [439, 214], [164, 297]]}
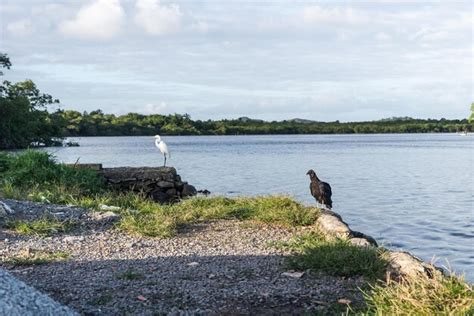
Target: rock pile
{"points": [[162, 184]]}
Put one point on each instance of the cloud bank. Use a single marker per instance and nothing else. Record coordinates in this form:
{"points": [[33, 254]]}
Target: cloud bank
{"points": [[270, 60]]}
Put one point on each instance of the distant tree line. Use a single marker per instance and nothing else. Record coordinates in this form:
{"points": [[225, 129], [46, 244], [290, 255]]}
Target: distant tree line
{"points": [[96, 123], [25, 121]]}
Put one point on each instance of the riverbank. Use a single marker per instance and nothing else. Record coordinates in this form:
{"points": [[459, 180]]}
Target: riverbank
{"points": [[213, 267], [127, 244]]}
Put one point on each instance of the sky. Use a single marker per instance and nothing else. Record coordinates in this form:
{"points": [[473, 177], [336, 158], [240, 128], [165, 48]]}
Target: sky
{"points": [[272, 60]]}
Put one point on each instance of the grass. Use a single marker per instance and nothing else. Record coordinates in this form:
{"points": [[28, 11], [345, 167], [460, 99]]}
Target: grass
{"points": [[421, 296], [335, 257], [154, 220], [40, 171], [36, 257], [42, 227]]}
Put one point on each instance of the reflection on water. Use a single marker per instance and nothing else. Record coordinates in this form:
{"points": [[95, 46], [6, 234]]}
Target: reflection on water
{"points": [[408, 191]]}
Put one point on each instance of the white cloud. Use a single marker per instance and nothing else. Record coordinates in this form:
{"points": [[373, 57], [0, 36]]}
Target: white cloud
{"points": [[152, 108], [158, 19], [317, 14], [382, 36], [100, 19], [21, 27]]}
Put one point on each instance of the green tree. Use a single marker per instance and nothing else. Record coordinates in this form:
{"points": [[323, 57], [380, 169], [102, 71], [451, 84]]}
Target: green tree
{"points": [[23, 116]]}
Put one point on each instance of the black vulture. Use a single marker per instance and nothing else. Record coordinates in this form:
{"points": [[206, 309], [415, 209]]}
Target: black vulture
{"points": [[320, 190]]}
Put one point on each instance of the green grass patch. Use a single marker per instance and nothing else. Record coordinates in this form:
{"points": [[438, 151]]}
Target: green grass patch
{"points": [[36, 257], [335, 257], [152, 219], [421, 296], [39, 171], [42, 227]]}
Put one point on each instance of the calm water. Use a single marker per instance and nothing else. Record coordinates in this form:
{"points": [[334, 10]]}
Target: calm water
{"points": [[413, 192]]}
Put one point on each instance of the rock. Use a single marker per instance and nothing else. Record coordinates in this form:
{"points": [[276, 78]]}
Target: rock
{"points": [[188, 190], [361, 242], [193, 264], [17, 298], [3, 212], [403, 264], [360, 239], [159, 196], [106, 217], [104, 207], [91, 166], [165, 184], [204, 192], [162, 184], [331, 225], [293, 274], [6, 209], [172, 192]]}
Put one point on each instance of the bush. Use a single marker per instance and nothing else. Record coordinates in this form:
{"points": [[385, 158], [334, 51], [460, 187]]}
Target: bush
{"points": [[39, 170]]}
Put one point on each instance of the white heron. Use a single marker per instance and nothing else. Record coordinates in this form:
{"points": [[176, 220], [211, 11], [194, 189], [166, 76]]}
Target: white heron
{"points": [[161, 145]]}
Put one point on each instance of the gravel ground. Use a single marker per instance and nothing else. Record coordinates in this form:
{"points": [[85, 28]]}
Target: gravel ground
{"points": [[221, 267], [19, 299]]}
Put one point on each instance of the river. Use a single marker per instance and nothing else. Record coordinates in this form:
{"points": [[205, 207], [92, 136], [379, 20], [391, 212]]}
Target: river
{"points": [[409, 191]]}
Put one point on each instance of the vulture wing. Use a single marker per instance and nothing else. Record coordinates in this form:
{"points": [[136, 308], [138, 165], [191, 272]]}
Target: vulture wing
{"points": [[325, 189]]}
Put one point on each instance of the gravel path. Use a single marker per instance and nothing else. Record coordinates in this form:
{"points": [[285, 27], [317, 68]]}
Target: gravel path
{"points": [[221, 267]]}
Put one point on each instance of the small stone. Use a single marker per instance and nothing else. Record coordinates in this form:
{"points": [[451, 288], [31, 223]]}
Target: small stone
{"points": [[106, 217], [193, 264], [293, 274], [73, 238], [344, 301], [211, 276], [104, 207], [141, 298]]}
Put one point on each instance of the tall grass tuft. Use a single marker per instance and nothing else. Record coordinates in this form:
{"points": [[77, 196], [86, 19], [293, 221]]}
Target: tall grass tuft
{"points": [[335, 257], [39, 170], [421, 296]]}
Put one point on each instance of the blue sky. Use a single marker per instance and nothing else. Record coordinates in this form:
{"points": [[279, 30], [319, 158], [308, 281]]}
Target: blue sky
{"points": [[273, 60]]}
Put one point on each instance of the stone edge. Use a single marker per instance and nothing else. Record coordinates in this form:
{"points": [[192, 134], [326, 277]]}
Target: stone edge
{"points": [[401, 264]]}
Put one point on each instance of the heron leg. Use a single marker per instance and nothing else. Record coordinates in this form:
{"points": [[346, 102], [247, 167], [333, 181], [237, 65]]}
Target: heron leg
{"points": [[164, 165]]}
